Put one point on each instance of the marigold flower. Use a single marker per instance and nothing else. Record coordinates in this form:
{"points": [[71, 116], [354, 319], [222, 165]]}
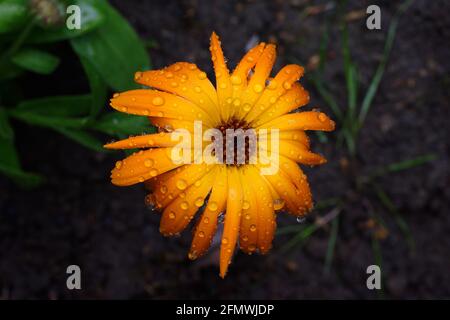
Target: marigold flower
{"points": [[245, 98]]}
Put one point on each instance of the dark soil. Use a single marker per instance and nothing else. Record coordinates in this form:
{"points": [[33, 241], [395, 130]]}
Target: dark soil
{"points": [[78, 217]]}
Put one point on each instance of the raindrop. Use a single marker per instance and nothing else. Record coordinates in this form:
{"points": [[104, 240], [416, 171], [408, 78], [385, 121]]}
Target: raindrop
{"points": [[148, 163], [181, 184], [158, 101], [184, 205], [301, 219]]}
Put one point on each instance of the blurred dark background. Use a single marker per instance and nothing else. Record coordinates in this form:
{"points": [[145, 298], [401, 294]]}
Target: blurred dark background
{"points": [[78, 217]]}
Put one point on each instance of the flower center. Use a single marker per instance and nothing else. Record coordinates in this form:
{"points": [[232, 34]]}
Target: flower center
{"points": [[239, 142]]}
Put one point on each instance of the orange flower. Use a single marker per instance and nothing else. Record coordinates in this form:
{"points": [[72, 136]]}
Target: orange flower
{"points": [[244, 99]]}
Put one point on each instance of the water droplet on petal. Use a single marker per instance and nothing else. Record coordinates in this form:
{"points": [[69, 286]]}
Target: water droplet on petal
{"points": [[199, 202], [236, 80], [245, 205], [252, 228], [224, 240], [287, 85], [153, 172], [212, 206], [181, 184], [119, 164], [201, 234], [158, 101], [148, 163], [184, 205], [202, 75], [257, 88], [172, 215], [278, 204], [322, 117]]}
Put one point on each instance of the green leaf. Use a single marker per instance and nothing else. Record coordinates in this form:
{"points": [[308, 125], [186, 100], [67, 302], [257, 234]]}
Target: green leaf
{"points": [[59, 111], [6, 132], [13, 15], [57, 106], [92, 16], [98, 87], [9, 159], [82, 137], [119, 124], [20, 177], [114, 49], [36, 60]]}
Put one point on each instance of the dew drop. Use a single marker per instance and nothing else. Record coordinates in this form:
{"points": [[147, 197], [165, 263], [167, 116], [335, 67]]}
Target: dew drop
{"points": [[245, 205], [252, 228], [212, 206], [181, 184], [201, 234], [199, 202], [278, 204], [119, 164], [148, 163], [322, 117], [184, 205], [236, 80], [301, 219], [172, 215], [202, 75], [163, 189], [153, 172], [287, 85], [257, 88], [224, 240], [158, 101]]}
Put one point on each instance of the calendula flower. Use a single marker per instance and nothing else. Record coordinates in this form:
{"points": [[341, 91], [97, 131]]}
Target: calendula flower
{"points": [[181, 97]]}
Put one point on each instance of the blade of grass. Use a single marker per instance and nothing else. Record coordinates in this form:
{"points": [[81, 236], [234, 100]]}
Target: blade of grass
{"points": [[300, 238], [401, 223], [373, 87], [404, 165], [331, 245]]}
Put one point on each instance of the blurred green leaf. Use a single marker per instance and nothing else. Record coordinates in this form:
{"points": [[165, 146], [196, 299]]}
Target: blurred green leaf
{"points": [[114, 49], [6, 132], [98, 87], [92, 16], [13, 15], [82, 137], [57, 106], [8, 70], [9, 159], [119, 124], [20, 177], [36, 60], [59, 111]]}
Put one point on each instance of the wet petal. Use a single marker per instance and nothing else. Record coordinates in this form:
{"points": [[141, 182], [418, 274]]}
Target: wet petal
{"points": [[207, 225], [232, 220], [185, 80], [154, 103], [294, 98], [142, 165], [278, 86], [179, 213], [308, 120]]}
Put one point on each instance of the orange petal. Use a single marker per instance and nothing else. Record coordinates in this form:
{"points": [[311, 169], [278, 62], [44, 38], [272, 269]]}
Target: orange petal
{"points": [[232, 219], [171, 185], [294, 98], [294, 135], [185, 80], [308, 120], [296, 204], [295, 151], [240, 75], [223, 83], [248, 236], [277, 87], [207, 225], [297, 177], [179, 213], [266, 215], [161, 139], [173, 124], [142, 166], [154, 103], [257, 82]]}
